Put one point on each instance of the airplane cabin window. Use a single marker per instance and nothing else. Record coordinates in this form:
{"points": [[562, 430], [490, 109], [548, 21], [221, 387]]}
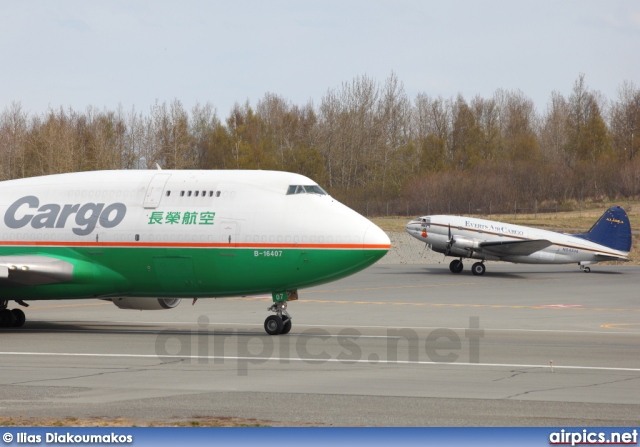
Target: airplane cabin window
{"points": [[168, 193], [210, 193], [189, 193], [217, 193], [197, 193], [181, 193]]}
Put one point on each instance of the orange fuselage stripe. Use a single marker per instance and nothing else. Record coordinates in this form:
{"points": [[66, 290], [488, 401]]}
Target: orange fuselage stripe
{"points": [[190, 245]]}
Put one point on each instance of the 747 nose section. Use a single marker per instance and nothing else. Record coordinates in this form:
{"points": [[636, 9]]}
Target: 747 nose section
{"points": [[375, 243], [375, 238]]}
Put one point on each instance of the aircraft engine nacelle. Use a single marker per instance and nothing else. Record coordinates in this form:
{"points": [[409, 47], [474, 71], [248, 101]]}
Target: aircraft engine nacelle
{"points": [[462, 243], [146, 303]]}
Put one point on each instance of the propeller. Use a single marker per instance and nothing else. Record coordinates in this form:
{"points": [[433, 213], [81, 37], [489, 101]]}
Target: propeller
{"points": [[450, 242], [424, 249]]}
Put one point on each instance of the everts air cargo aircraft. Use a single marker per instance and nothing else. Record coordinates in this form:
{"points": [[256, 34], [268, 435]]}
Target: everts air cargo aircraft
{"points": [[145, 239], [609, 239]]}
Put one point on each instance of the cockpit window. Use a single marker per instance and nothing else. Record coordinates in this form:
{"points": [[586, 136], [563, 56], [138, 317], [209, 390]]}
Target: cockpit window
{"points": [[424, 221], [315, 189], [305, 189]]}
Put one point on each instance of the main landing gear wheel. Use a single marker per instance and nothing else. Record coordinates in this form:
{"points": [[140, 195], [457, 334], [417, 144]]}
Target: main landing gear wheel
{"points": [[478, 269], [7, 318], [19, 317], [11, 317], [456, 266], [585, 269]]}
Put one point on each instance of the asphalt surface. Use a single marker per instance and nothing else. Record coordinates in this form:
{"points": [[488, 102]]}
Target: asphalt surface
{"points": [[394, 345]]}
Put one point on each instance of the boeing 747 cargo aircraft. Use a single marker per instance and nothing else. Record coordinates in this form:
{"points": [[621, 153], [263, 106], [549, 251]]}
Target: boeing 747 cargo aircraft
{"points": [[146, 239]]}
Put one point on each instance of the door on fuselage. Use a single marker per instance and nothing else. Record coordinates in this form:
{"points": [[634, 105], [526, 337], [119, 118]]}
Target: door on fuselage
{"points": [[155, 190], [175, 273], [229, 232]]}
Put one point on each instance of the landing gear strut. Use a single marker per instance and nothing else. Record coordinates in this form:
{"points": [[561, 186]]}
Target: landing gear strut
{"points": [[456, 266], [280, 323], [10, 318]]}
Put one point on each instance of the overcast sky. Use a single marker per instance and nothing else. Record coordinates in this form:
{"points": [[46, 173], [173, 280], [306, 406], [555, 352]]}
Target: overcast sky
{"points": [[89, 53]]}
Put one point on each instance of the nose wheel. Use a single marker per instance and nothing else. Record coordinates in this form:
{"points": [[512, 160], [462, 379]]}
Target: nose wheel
{"points": [[280, 323], [273, 325]]}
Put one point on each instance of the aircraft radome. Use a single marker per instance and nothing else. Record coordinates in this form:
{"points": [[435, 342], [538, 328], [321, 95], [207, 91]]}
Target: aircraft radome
{"points": [[146, 239], [609, 239]]}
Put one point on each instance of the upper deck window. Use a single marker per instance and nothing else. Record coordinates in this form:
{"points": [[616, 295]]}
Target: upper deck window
{"points": [[305, 189]]}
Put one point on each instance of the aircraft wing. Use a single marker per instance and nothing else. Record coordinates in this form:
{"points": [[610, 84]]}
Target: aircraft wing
{"points": [[33, 270], [514, 248]]}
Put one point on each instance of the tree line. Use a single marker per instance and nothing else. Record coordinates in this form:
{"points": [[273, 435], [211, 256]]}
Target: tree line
{"points": [[366, 142]]}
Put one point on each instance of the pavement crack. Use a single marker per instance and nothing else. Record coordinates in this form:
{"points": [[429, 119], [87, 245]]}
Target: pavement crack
{"points": [[103, 373], [514, 373], [591, 385], [173, 362]]}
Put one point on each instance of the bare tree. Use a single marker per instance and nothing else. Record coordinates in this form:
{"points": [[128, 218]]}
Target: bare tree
{"points": [[553, 131], [588, 136], [13, 135], [625, 121]]}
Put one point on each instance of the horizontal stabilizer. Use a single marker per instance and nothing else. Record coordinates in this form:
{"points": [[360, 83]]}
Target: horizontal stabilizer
{"points": [[605, 257], [514, 248]]}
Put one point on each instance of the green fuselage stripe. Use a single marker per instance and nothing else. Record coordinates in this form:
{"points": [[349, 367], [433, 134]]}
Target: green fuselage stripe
{"points": [[183, 272]]}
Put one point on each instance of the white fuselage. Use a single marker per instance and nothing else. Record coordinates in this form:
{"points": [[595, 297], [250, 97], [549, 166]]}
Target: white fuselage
{"points": [[176, 233], [469, 232], [250, 207], [146, 239]]}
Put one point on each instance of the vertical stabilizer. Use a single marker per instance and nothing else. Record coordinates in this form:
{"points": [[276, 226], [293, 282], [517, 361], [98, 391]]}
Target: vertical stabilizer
{"points": [[612, 230]]}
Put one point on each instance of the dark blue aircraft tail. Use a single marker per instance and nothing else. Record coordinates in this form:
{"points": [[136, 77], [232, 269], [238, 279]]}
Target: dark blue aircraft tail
{"points": [[612, 230]]}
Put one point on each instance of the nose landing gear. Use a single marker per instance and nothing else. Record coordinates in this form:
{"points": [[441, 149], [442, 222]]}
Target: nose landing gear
{"points": [[280, 323]]}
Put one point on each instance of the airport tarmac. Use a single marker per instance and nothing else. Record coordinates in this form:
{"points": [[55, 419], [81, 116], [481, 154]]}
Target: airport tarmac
{"points": [[395, 345]]}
